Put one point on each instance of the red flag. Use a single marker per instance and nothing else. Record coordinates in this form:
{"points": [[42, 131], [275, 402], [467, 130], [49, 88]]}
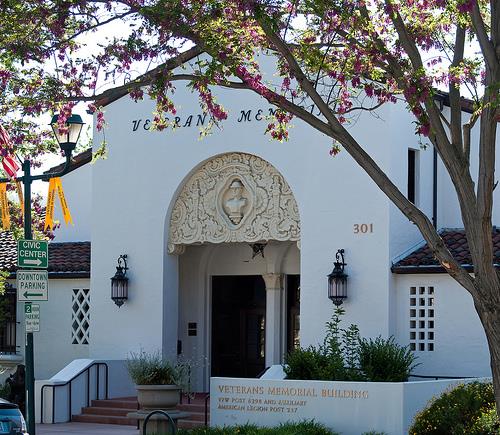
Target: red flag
{"points": [[10, 166], [9, 163], [4, 138]]}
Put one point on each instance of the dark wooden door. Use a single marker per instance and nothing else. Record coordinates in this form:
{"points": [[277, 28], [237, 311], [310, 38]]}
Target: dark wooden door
{"points": [[252, 341], [238, 325]]}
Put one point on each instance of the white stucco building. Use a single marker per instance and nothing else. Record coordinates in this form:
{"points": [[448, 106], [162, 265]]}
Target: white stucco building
{"points": [[188, 214]]}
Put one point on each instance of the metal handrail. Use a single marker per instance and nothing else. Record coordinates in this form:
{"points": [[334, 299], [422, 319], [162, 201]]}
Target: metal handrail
{"points": [[437, 377], [159, 411], [207, 398], [86, 370]]}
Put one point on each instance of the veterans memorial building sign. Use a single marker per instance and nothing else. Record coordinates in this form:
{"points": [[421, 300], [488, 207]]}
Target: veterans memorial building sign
{"points": [[269, 403], [350, 408]]}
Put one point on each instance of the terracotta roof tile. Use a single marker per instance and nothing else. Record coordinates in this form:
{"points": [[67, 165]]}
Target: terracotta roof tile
{"points": [[456, 242], [8, 251], [64, 257]]}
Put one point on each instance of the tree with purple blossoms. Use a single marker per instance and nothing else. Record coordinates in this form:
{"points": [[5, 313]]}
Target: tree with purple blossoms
{"points": [[343, 56]]}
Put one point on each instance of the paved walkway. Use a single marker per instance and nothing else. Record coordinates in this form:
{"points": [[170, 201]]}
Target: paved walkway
{"points": [[85, 429]]}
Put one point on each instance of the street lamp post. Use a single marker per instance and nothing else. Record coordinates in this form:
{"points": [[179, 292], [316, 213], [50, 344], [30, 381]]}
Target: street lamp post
{"points": [[67, 140]]}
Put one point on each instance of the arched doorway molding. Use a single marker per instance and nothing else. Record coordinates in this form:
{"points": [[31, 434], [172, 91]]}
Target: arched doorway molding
{"points": [[234, 197]]}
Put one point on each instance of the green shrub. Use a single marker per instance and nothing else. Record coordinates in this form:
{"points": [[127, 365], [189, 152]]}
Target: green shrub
{"points": [[152, 369], [335, 360], [455, 411], [486, 424], [312, 364], [344, 356], [303, 428], [383, 360]]}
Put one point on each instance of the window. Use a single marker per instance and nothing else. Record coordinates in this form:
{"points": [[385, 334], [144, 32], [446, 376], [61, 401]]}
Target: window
{"points": [[422, 320], [413, 169], [80, 316]]}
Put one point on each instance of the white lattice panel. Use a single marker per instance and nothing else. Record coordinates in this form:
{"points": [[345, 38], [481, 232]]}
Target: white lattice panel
{"points": [[422, 318], [80, 316]]}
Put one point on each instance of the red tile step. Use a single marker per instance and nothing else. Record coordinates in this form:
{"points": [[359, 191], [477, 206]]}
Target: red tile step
{"points": [[114, 411], [196, 408], [104, 419]]}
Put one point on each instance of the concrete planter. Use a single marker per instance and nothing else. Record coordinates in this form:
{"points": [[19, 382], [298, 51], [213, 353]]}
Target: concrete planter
{"points": [[158, 396]]}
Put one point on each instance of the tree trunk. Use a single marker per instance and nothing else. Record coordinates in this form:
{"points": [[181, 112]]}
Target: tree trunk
{"points": [[489, 313]]}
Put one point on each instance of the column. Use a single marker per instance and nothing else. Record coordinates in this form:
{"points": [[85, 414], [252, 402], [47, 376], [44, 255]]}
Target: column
{"points": [[274, 300]]}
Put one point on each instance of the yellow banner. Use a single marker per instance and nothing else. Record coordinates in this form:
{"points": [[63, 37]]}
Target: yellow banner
{"points": [[4, 205], [49, 212], [19, 189], [62, 200]]}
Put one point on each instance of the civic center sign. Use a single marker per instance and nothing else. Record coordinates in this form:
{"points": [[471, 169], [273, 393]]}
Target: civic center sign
{"points": [[33, 253], [350, 408]]}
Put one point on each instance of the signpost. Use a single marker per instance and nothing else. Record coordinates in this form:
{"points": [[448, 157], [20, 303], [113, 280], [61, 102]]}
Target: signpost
{"points": [[32, 317], [33, 253], [32, 285]]}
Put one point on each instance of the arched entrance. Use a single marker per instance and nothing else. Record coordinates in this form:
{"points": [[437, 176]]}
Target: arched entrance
{"points": [[235, 226]]}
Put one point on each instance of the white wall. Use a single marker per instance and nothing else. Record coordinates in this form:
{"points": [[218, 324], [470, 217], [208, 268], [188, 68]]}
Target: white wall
{"points": [[449, 210], [135, 187], [460, 347], [405, 234], [78, 193], [53, 348], [133, 192]]}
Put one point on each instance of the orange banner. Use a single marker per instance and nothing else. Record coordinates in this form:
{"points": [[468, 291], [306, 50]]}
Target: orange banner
{"points": [[62, 200], [49, 212], [4, 205]]}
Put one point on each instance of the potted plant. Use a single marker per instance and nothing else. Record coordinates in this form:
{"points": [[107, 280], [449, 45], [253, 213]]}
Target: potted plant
{"points": [[158, 381]]}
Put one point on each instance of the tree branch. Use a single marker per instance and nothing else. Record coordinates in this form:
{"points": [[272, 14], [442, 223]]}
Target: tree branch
{"points": [[90, 28], [143, 80], [485, 43], [455, 108], [467, 135], [363, 159], [452, 157]]}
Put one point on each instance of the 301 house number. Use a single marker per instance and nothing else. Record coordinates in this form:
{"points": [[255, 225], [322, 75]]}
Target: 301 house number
{"points": [[363, 228]]}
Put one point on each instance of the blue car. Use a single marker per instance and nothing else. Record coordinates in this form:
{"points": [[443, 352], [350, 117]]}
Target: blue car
{"points": [[11, 420]]}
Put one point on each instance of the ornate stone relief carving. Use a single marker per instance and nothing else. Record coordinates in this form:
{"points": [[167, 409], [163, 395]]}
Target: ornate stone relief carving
{"points": [[234, 198]]}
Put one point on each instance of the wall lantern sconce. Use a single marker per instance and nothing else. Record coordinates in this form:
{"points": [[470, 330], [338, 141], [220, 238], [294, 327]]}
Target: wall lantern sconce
{"points": [[119, 282], [337, 280]]}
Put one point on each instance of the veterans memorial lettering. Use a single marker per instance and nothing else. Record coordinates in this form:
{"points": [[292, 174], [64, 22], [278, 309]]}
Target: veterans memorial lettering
{"points": [[200, 119], [263, 400]]}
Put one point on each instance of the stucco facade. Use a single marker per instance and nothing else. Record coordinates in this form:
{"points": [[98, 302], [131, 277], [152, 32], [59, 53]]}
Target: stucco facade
{"points": [[126, 206], [135, 189]]}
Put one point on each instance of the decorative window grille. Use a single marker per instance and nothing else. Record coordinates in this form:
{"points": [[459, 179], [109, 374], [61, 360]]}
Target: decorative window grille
{"points": [[80, 316], [422, 319]]}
